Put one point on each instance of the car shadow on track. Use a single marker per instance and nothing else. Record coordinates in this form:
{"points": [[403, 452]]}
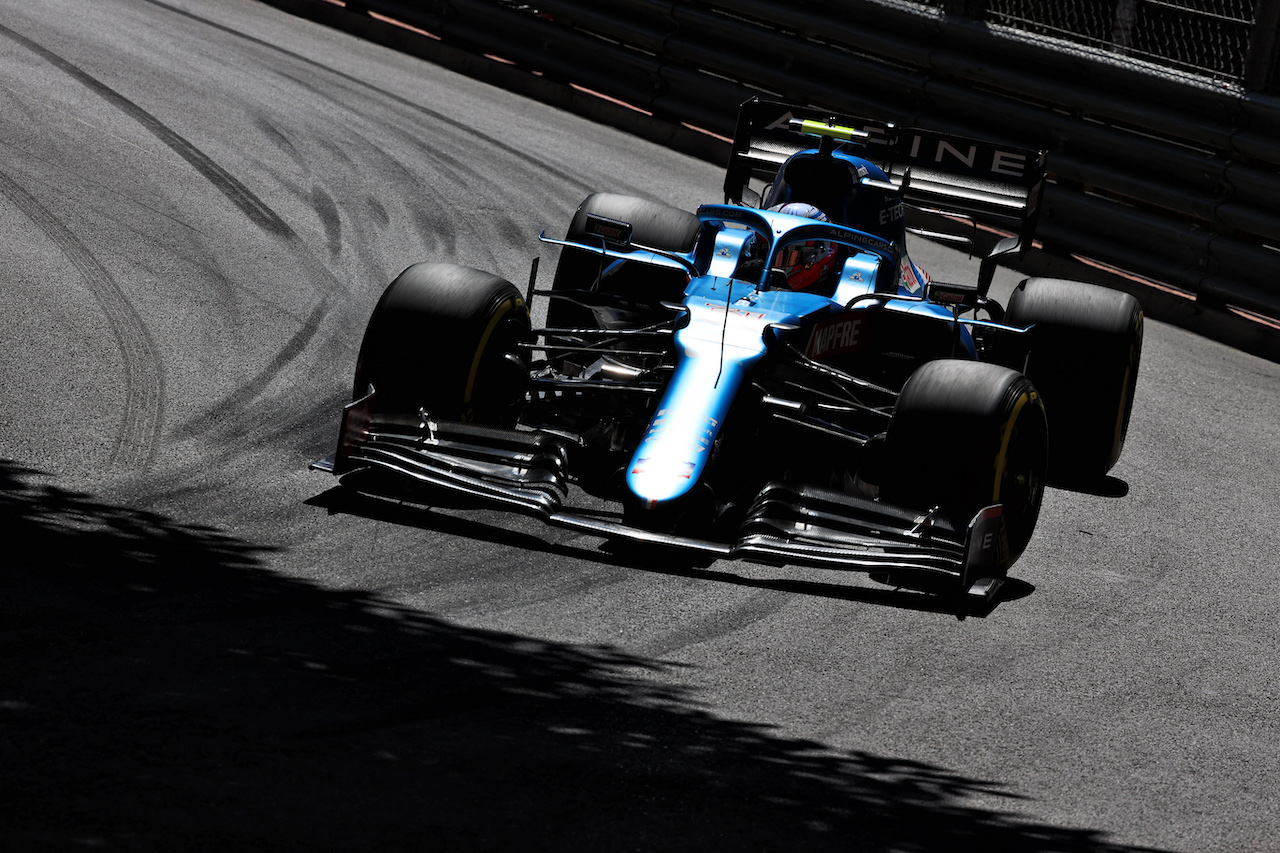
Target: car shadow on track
{"points": [[1105, 487], [165, 690], [903, 593], [903, 597]]}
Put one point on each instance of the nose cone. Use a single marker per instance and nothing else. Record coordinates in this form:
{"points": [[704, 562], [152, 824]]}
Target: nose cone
{"points": [[677, 445], [722, 342]]}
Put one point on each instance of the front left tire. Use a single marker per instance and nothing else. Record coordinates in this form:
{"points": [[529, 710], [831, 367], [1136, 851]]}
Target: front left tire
{"points": [[445, 338]]}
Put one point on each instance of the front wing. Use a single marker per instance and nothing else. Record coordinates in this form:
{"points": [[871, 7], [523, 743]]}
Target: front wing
{"points": [[788, 523]]}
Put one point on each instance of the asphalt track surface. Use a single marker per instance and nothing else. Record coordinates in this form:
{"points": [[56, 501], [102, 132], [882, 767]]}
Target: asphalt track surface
{"points": [[206, 646]]}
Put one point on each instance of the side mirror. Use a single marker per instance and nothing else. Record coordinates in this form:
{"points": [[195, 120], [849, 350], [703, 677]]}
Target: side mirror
{"points": [[776, 280], [952, 295], [612, 231]]}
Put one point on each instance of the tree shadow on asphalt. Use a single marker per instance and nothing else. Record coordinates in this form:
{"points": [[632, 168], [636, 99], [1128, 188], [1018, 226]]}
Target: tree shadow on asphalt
{"points": [[164, 690]]}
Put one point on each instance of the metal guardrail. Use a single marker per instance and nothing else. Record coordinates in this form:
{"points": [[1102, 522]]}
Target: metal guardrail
{"points": [[1157, 172]]}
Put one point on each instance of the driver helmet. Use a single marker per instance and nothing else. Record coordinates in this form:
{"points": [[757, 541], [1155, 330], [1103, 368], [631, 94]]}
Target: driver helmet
{"points": [[809, 264]]}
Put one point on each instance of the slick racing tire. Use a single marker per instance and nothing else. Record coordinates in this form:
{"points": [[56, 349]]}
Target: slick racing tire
{"points": [[965, 435], [1083, 357], [444, 338], [653, 224]]}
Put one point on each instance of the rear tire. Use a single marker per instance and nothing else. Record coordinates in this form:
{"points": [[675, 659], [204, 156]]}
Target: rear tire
{"points": [[1083, 357], [966, 435], [444, 337]]}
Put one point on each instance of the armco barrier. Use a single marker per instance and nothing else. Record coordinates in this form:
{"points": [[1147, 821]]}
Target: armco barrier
{"points": [[1161, 174]]}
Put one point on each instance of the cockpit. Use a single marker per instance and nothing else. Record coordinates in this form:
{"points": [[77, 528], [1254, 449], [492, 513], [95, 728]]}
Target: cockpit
{"points": [[849, 190], [792, 250]]}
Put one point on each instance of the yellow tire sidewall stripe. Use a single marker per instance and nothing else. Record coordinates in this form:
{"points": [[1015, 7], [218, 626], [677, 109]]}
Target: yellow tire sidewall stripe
{"points": [[499, 313], [1002, 457]]}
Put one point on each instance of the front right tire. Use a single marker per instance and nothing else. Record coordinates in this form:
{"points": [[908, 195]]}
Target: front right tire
{"points": [[966, 435]]}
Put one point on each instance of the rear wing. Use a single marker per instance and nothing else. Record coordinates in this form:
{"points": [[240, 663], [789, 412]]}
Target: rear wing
{"points": [[940, 173]]}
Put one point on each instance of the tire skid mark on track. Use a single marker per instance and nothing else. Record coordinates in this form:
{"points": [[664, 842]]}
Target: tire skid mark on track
{"points": [[327, 211], [757, 606], [226, 183], [564, 176], [235, 191], [279, 139], [253, 388], [139, 431], [378, 210]]}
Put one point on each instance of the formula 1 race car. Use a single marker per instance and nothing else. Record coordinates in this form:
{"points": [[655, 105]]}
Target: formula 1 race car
{"points": [[771, 378]]}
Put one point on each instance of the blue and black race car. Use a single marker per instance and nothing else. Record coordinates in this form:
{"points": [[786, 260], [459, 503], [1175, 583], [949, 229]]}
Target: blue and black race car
{"points": [[771, 378]]}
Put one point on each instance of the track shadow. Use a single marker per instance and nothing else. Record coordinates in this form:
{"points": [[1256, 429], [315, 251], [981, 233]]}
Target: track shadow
{"points": [[164, 689]]}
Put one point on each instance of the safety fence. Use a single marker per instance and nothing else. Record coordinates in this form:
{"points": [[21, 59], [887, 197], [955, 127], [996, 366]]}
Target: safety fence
{"points": [[1227, 40], [1162, 132]]}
